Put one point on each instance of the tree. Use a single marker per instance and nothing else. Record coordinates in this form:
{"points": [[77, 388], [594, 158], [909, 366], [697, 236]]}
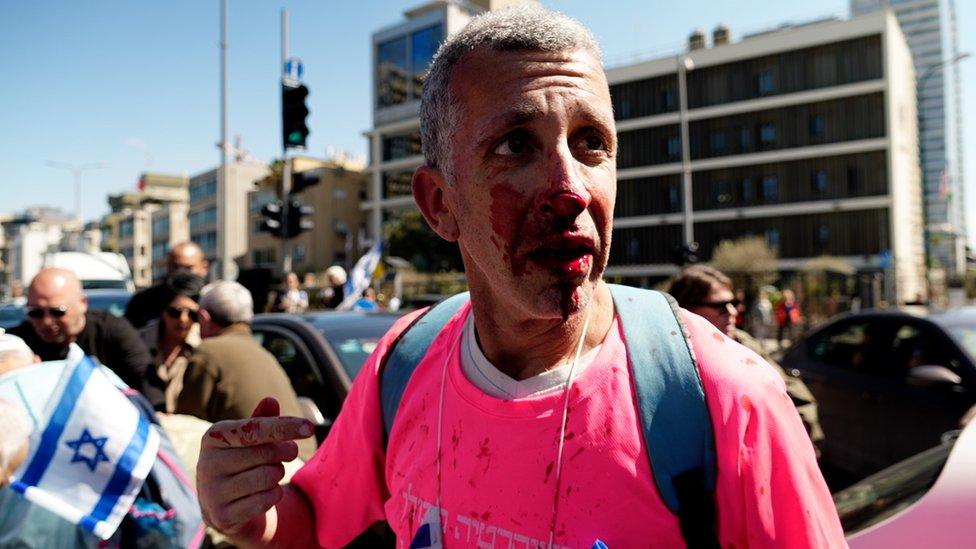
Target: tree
{"points": [[408, 236], [748, 261]]}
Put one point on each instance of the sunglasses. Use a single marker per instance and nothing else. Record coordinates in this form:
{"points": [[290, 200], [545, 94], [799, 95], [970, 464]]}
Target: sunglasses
{"points": [[38, 313], [177, 312], [720, 305]]}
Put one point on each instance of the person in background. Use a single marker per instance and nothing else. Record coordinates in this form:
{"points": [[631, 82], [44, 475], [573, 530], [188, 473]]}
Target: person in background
{"points": [[58, 316], [707, 292], [291, 299], [787, 318], [762, 316], [367, 302], [333, 295], [149, 303], [16, 427], [229, 373], [172, 337], [13, 439]]}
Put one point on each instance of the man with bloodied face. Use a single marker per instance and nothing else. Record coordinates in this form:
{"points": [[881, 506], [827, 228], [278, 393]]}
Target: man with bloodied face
{"points": [[521, 416]]}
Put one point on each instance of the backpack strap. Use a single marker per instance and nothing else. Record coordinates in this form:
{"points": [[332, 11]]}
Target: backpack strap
{"points": [[408, 350], [674, 416]]}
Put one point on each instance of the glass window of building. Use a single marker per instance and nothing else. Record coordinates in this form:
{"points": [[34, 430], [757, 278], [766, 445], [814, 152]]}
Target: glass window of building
{"points": [[200, 190], [823, 235], [818, 182], [402, 63], [674, 198], [160, 226], [401, 145], [667, 99], [423, 46], [125, 228], [397, 184], [745, 138], [748, 190], [770, 188], [765, 83], [673, 147], [392, 70], [772, 238], [767, 133], [818, 125], [718, 141]]}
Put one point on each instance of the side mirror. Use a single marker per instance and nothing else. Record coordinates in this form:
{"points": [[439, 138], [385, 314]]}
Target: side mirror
{"points": [[311, 412], [935, 375]]}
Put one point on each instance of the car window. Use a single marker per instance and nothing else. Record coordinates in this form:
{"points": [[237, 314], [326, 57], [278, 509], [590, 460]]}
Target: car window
{"points": [[885, 493], [919, 345], [293, 359], [851, 345]]}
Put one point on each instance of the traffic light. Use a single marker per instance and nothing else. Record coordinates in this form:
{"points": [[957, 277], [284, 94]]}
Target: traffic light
{"points": [[272, 212], [301, 180], [294, 131], [685, 254], [299, 218]]}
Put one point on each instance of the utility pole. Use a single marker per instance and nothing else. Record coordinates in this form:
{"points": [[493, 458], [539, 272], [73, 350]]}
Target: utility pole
{"points": [[76, 170], [286, 166], [224, 261]]}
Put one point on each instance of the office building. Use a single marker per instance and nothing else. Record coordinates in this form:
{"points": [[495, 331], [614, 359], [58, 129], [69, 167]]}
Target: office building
{"points": [[218, 214], [338, 220], [805, 135], [930, 29], [401, 56]]}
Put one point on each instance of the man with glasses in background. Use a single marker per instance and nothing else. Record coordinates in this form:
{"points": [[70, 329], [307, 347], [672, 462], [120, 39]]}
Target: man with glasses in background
{"points": [[708, 293], [58, 315]]}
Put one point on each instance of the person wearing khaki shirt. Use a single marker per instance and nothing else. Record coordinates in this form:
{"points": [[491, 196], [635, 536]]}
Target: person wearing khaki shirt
{"points": [[229, 373]]}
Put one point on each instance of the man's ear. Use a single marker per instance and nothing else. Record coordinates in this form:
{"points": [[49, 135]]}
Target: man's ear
{"points": [[429, 187]]}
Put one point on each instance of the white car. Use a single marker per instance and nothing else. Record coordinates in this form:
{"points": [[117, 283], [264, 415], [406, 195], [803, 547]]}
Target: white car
{"points": [[926, 501]]}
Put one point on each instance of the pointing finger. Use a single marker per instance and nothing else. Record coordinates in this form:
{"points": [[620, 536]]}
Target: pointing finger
{"points": [[255, 431], [266, 408]]}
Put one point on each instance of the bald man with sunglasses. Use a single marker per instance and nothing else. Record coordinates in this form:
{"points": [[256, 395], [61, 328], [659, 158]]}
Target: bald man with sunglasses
{"points": [[58, 315]]}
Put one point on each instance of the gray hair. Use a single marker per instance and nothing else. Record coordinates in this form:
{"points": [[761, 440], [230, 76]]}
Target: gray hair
{"points": [[227, 302], [14, 435], [522, 28], [14, 353]]}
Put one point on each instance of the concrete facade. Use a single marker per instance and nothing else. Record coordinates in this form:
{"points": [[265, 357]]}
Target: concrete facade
{"points": [[930, 29], [338, 219]]}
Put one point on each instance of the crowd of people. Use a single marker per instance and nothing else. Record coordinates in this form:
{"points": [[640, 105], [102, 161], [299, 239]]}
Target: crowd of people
{"points": [[527, 406]]}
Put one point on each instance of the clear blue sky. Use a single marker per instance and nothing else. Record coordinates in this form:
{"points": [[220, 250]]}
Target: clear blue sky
{"points": [[136, 84]]}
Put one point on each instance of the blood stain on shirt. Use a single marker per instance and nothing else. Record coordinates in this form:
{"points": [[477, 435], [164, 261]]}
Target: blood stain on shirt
{"points": [[549, 471]]}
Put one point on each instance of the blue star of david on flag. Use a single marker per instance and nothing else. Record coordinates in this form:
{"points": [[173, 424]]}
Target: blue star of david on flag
{"points": [[90, 460]]}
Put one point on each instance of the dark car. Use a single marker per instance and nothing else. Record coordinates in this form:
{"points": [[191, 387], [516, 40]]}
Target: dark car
{"points": [[888, 383], [322, 352]]}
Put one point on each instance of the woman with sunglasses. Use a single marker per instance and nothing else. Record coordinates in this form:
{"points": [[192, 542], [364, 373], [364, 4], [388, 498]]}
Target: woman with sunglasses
{"points": [[708, 293], [172, 337]]}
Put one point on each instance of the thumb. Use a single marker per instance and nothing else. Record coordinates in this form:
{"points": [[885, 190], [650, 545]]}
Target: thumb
{"points": [[268, 407]]}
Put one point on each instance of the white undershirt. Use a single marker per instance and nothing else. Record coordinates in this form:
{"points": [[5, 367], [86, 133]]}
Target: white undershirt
{"points": [[485, 376]]}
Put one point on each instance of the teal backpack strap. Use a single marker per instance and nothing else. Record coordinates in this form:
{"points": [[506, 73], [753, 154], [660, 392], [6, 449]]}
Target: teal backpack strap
{"points": [[673, 413], [408, 350]]}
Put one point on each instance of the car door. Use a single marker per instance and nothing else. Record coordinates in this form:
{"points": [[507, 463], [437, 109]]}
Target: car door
{"points": [[908, 413], [836, 363], [299, 364]]}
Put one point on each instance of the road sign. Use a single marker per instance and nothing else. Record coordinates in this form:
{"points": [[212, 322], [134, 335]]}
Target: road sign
{"points": [[291, 72]]}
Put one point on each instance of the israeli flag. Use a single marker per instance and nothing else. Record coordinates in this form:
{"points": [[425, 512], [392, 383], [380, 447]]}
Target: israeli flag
{"points": [[91, 449], [360, 276]]}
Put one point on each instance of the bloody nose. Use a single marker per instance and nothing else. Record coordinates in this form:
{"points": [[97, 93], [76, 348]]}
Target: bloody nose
{"points": [[567, 204]]}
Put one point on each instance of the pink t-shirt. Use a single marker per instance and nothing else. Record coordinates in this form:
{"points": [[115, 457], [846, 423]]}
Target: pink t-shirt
{"points": [[498, 457]]}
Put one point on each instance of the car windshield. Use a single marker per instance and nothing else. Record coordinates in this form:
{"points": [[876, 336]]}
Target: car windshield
{"points": [[886, 493], [353, 336], [113, 303], [966, 335]]}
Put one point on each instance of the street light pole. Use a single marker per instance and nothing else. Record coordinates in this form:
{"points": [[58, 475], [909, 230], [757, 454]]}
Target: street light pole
{"points": [[920, 86], [685, 64], [76, 170]]}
